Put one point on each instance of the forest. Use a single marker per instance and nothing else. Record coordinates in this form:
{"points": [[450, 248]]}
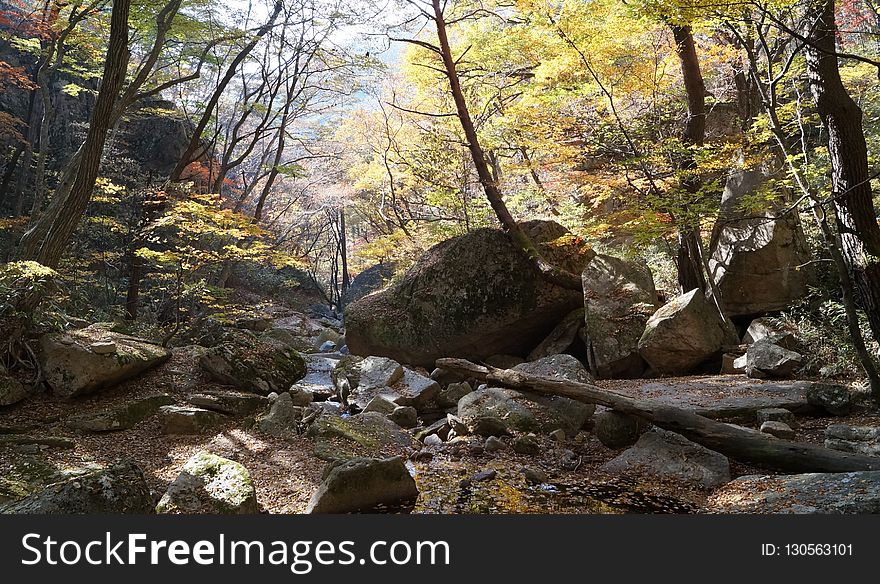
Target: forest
{"points": [[439, 256]]}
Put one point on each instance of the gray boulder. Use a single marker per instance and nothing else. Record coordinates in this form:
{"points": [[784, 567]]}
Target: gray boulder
{"points": [[366, 434], [828, 493], [684, 333], [835, 399], [448, 398], [562, 367], [778, 429], [619, 298], [370, 280], [365, 484], [210, 484], [71, 368], [188, 420], [120, 488], [756, 262], [764, 359], [494, 411], [251, 364], [771, 331], [233, 403], [471, 296], [281, 419], [671, 455], [857, 439], [617, 430]]}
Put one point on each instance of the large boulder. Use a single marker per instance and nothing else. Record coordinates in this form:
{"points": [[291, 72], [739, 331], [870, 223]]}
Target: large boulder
{"points": [[493, 411], [281, 419], [253, 364], [684, 333], [366, 434], [383, 377], [370, 280], [472, 296], [619, 298], [755, 260], [365, 484], [764, 359], [120, 488], [562, 367], [670, 455], [829, 493], [83, 361], [210, 484]]}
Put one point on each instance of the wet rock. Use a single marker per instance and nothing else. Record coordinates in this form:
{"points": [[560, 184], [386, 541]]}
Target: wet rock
{"points": [[282, 418], [188, 420], [72, 369], [765, 359], [670, 455], [253, 365], [830, 493], [120, 418], [617, 430], [404, 416], [448, 398], [210, 484], [233, 403], [778, 429], [363, 484], [619, 298], [684, 333], [496, 411], [120, 488], [472, 296]]}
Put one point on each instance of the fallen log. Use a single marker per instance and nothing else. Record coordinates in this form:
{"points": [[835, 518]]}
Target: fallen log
{"points": [[737, 442]]}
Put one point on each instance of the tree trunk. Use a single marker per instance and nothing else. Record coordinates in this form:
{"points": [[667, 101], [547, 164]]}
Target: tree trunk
{"points": [[549, 272], [56, 226], [739, 443], [848, 152]]}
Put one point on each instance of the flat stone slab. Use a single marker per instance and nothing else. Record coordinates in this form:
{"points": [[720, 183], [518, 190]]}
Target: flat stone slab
{"points": [[831, 493], [720, 396]]}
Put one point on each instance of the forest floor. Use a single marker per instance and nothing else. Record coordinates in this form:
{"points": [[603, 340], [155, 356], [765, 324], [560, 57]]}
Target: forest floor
{"points": [[286, 472]]}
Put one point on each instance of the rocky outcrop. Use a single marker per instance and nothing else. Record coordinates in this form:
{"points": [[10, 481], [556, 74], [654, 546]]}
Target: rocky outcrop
{"points": [[365, 484], [120, 488], [832, 493], [77, 362], [253, 364], [755, 262], [210, 484], [619, 298], [684, 333], [472, 296]]}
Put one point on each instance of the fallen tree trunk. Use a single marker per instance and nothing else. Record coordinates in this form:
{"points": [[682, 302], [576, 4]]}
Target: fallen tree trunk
{"points": [[742, 444]]}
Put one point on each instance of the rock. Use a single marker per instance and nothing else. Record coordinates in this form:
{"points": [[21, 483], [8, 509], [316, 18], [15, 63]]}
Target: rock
{"points": [[233, 403], [669, 455], [210, 484], [381, 404], [831, 493], [327, 346], [300, 396], [733, 364], [29, 440], [370, 280], [771, 331], [778, 429], [569, 461], [364, 484], [835, 399], [457, 425], [326, 407], [619, 298], [405, 417], [448, 398], [120, 488], [684, 333], [71, 368], [11, 391], [188, 420], [526, 444], [433, 440], [281, 419], [367, 433], [446, 377], [257, 323], [484, 475], [329, 336], [367, 377], [103, 347], [534, 476], [562, 367], [561, 337], [504, 361], [493, 444], [558, 436], [472, 296], [122, 417], [617, 430], [857, 439], [253, 365], [495, 411], [776, 415], [765, 359]]}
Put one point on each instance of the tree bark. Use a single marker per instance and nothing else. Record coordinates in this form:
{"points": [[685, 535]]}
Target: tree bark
{"points": [[739, 443], [850, 178]]}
